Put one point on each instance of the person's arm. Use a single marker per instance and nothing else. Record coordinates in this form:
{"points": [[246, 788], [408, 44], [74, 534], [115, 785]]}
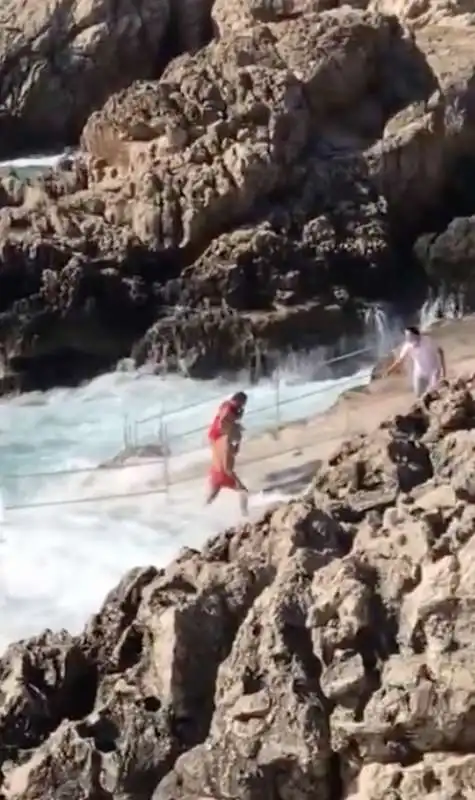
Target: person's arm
{"points": [[398, 360], [229, 460], [226, 419], [224, 453]]}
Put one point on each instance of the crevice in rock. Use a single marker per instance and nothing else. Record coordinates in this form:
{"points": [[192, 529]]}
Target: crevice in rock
{"points": [[76, 696], [364, 645], [81, 695], [152, 704], [191, 723], [376, 642], [418, 639], [104, 733], [415, 424], [298, 641], [252, 683], [131, 649], [430, 781], [99, 793], [383, 624], [334, 777], [412, 461], [402, 749], [117, 618]]}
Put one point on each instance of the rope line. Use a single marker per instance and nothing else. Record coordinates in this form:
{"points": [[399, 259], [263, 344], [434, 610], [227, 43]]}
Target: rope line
{"points": [[164, 459], [162, 490], [78, 500], [181, 409], [151, 461], [259, 409]]}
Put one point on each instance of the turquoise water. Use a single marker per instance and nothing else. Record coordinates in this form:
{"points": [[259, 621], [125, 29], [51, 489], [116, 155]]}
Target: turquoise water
{"points": [[59, 560]]}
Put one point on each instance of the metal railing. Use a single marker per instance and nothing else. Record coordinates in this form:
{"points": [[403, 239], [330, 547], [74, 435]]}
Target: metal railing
{"points": [[165, 441], [328, 362]]}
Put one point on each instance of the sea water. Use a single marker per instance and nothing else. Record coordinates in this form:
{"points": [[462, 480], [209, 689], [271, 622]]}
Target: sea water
{"points": [[68, 531], [66, 539]]}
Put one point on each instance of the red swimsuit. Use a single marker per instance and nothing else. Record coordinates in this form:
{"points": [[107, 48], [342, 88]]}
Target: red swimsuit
{"points": [[219, 478], [215, 430]]}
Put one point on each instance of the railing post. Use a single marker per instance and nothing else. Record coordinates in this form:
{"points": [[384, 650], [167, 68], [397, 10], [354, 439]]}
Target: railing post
{"points": [[162, 437], [135, 434], [2, 506], [166, 472]]}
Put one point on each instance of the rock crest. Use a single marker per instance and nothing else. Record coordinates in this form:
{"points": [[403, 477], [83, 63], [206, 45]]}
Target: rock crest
{"points": [[235, 196], [325, 649]]}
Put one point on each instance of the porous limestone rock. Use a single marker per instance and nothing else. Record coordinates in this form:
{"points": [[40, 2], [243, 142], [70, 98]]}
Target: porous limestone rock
{"points": [[59, 61], [253, 199], [325, 649]]}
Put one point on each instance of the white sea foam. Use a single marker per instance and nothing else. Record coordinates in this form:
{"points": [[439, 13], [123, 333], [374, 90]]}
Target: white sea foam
{"points": [[58, 561], [32, 162]]}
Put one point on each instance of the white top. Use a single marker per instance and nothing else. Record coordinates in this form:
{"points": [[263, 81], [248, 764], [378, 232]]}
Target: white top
{"points": [[424, 354]]}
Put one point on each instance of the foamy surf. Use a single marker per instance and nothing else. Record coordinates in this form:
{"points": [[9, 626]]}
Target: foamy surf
{"points": [[73, 559], [84, 529], [57, 561], [33, 162]]}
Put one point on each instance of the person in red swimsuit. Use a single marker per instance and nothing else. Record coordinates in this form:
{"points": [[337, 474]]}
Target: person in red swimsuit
{"points": [[224, 435]]}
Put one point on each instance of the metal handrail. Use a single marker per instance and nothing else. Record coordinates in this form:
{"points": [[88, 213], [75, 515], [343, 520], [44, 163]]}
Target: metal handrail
{"points": [[259, 410], [181, 409], [160, 490], [159, 460]]}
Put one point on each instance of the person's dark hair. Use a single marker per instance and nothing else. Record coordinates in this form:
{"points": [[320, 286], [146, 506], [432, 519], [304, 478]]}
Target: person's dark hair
{"points": [[240, 398], [413, 329], [239, 401]]}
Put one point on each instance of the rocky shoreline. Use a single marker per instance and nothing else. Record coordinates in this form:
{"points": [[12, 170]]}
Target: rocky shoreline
{"points": [[237, 195], [326, 649]]}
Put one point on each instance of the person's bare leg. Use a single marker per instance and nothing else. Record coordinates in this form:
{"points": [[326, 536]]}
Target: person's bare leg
{"points": [[244, 502], [212, 494]]}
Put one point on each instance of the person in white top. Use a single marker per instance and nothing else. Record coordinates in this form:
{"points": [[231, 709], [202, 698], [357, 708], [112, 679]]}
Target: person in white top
{"points": [[428, 360]]}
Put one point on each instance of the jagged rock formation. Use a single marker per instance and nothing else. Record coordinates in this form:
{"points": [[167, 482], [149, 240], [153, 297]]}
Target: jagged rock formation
{"points": [[231, 16], [326, 649], [436, 12], [449, 258], [253, 198], [216, 190], [59, 61]]}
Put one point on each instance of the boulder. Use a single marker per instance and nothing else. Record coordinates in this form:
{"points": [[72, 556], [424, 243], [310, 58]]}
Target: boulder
{"points": [[448, 258], [60, 62], [326, 648], [248, 197], [426, 149]]}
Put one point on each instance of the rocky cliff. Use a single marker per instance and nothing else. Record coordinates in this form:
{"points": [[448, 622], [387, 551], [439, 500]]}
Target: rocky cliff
{"points": [[254, 197], [326, 650], [61, 60]]}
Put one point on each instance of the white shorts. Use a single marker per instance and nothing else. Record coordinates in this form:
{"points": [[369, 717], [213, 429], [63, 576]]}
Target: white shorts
{"points": [[421, 383]]}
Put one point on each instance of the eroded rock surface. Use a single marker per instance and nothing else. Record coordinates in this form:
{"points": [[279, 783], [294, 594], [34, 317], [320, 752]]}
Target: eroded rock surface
{"points": [[253, 198], [325, 650], [215, 213], [60, 61]]}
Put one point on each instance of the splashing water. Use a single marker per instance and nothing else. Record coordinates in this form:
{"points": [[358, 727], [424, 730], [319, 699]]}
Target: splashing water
{"points": [[450, 306], [382, 325], [57, 563]]}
